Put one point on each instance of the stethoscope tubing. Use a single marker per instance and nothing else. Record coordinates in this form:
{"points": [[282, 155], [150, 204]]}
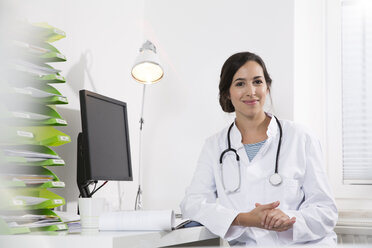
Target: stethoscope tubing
{"points": [[279, 145], [230, 149]]}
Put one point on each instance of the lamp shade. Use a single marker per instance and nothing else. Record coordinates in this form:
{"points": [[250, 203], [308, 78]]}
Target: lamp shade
{"points": [[147, 68]]}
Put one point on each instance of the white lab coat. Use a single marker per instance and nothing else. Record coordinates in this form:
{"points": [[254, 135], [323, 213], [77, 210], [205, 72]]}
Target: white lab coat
{"points": [[304, 193]]}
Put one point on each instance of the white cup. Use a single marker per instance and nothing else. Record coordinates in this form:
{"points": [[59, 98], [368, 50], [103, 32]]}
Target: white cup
{"points": [[90, 210]]}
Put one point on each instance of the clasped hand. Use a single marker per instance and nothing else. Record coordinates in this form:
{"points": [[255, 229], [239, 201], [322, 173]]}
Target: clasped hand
{"points": [[273, 218], [267, 216]]}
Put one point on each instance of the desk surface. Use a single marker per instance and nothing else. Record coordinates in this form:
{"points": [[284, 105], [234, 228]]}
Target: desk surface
{"points": [[107, 239]]}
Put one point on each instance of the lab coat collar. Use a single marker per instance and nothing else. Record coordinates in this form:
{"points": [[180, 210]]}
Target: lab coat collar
{"points": [[236, 137]]}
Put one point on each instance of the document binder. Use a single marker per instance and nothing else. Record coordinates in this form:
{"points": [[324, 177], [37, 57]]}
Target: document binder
{"points": [[46, 136], [47, 32], [59, 226], [8, 202], [54, 55], [26, 78], [6, 230], [29, 155], [28, 162], [43, 93], [37, 32], [38, 135], [33, 198], [10, 135], [41, 52], [25, 176], [50, 79], [32, 114], [33, 220], [29, 151], [38, 93], [21, 65]]}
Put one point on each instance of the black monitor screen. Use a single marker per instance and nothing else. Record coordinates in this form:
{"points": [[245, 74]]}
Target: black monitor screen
{"points": [[105, 137]]}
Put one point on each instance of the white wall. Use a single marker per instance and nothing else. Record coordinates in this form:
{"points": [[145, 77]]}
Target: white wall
{"points": [[309, 66], [193, 39]]}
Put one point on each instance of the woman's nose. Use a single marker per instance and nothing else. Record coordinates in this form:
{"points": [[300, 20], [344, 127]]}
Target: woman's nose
{"points": [[250, 90]]}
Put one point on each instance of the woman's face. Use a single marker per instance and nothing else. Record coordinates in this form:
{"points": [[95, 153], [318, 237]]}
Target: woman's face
{"points": [[248, 90]]}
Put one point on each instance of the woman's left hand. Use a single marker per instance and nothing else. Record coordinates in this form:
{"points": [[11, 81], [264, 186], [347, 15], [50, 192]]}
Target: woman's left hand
{"points": [[276, 220]]}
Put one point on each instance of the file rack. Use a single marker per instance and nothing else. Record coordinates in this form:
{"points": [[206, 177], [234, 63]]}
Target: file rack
{"points": [[29, 117]]}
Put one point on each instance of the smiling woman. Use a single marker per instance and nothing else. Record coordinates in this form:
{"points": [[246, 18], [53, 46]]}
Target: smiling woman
{"points": [[239, 192]]}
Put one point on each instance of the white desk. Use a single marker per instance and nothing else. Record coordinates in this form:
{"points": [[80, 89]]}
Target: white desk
{"points": [[106, 239]]}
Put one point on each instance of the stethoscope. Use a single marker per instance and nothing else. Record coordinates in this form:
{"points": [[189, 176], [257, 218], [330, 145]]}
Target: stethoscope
{"points": [[274, 179]]}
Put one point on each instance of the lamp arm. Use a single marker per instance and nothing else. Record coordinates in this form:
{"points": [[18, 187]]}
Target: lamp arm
{"points": [[138, 202], [142, 106]]}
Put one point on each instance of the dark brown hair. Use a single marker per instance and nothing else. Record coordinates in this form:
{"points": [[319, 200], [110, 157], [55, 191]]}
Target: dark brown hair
{"points": [[229, 68]]}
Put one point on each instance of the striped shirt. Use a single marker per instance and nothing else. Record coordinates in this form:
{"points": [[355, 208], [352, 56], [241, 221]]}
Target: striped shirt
{"points": [[252, 149]]}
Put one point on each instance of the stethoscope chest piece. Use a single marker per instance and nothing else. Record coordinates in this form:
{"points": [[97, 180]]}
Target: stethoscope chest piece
{"points": [[275, 179]]}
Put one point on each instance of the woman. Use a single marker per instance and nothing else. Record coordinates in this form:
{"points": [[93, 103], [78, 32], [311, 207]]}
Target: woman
{"points": [[238, 196]]}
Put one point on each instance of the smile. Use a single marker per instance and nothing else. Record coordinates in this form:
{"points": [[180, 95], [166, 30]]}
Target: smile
{"points": [[251, 102]]}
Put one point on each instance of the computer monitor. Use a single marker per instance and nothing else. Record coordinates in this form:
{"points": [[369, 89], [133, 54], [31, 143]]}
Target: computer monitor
{"points": [[103, 144]]}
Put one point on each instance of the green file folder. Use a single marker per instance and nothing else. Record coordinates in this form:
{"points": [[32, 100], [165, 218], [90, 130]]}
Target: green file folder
{"points": [[32, 114], [12, 155], [26, 176], [48, 79], [47, 32], [38, 93], [47, 136], [40, 199], [28, 79], [38, 135], [51, 79], [55, 227], [42, 93], [12, 222], [6, 230], [39, 51]]}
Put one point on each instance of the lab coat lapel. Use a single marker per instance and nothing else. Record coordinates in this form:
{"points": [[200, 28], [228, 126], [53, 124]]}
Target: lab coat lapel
{"points": [[236, 143], [272, 132], [236, 138]]}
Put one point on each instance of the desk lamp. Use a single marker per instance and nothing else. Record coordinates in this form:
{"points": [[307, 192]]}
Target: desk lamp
{"points": [[146, 70]]}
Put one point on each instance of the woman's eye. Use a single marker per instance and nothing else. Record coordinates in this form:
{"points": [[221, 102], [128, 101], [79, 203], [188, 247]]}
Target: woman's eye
{"points": [[239, 84], [257, 82]]}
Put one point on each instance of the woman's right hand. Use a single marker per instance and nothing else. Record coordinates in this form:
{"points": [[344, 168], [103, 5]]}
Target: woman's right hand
{"points": [[256, 217]]}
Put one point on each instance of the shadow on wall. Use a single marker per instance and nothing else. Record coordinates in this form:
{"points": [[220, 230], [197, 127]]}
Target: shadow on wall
{"points": [[68, 152], [76, 75]]}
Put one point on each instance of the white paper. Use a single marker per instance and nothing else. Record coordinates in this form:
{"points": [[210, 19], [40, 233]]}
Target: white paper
{"points": [[162, 220], [67, 216], [34, 68], [30, 115], [31, 48], [35, 224], [28, 218], [29, 154], [31, 200], [34, 92]]}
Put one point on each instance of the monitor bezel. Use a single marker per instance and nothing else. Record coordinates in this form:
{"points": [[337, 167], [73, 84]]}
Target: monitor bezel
{"points": [[84, 94]]}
